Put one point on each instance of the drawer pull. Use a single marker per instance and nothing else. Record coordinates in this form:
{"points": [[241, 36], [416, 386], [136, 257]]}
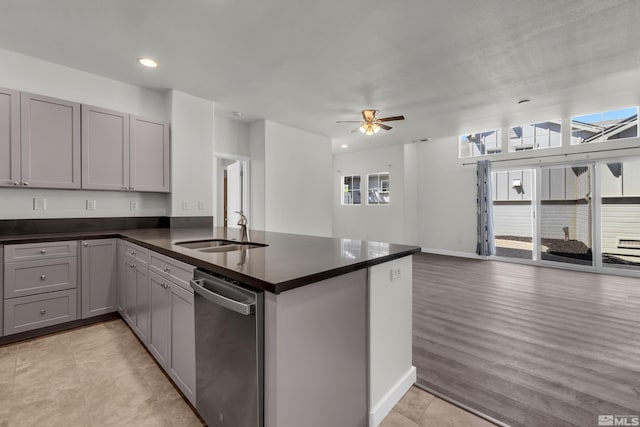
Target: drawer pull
{"points": [[43, 277], [85, 244], [133, 253], [43, 311], [132, 265], [166, 269], [42, 251]]}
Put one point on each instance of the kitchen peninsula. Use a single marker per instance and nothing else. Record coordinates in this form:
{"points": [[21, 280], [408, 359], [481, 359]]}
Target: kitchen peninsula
{"points": [[337, 315]]}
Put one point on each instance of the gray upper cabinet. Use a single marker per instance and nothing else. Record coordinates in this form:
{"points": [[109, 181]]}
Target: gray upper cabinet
{"points": [[105, 149], [149, 149], [9, 137], [50, 142], [98, 277]]}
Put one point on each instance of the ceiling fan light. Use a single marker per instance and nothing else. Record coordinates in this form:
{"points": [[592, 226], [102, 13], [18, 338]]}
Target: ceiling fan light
{"points": [[376, 128], [370, 130], [363, 128]]}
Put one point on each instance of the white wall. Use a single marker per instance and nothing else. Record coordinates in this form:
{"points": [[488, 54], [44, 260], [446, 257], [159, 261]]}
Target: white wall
{"points": [[192, 125], [257, 152], [446, 198], [46, 78], [297, 183], [231, 136], [384, 223]]}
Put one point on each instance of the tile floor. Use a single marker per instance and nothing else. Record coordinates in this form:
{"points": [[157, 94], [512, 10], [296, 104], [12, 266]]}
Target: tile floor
{"points": [[100, 375]]}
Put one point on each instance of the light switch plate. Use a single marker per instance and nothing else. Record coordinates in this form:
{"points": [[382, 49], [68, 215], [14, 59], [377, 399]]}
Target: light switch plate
{"points": [[395, 274], [39, 204], [91, 205]]}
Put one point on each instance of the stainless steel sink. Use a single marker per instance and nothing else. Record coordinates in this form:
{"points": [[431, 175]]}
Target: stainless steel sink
{"points": [[218, 245]]}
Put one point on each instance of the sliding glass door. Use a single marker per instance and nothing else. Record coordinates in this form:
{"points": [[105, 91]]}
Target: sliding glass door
{"points": [[620, 214]]}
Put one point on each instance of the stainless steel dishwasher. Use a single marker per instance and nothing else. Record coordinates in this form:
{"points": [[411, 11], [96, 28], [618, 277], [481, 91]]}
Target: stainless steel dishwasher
{"points": [[229, 324]]}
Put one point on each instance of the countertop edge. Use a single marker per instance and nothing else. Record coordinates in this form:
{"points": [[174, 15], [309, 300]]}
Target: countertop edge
{"points": [[274, 288]]}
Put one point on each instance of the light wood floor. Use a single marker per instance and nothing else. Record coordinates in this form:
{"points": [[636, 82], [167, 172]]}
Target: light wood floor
{"points": [[100, 375], [528, 346]]}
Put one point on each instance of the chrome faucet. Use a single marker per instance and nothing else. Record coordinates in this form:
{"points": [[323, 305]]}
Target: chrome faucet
{"points": [[242, 222]]}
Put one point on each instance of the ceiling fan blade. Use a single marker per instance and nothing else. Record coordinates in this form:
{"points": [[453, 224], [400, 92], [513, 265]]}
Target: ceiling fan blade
{"points": [[356, 130], [390, 119], [385, 127], [368, 115], [348, 121]]}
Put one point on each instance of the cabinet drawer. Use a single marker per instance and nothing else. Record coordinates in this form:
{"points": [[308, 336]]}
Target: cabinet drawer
{"points": [[36, 277], [37, 311], [171, 269], [31, 251], [137, 253]]}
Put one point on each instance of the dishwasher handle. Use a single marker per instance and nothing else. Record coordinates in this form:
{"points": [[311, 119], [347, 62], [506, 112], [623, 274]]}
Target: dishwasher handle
{"points": [[223, 301]]}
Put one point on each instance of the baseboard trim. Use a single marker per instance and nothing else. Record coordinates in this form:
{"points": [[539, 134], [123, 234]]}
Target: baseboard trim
{"points": [[453, 253], [392, 397]]}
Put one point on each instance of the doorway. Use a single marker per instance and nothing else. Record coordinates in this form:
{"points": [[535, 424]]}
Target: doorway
{"points": [[232, 173]]}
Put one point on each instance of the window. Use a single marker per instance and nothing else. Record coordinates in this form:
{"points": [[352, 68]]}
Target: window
{"points": [[535, 136], [616, 124], [351, 190], [378, 188], [480, 144]]}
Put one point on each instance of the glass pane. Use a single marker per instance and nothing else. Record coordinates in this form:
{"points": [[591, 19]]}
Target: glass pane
{"points": [[481, 143], [536, 136], [356, 197], [616, 124], [620, 214], [512, 215], [566, 215], [356, 183]]}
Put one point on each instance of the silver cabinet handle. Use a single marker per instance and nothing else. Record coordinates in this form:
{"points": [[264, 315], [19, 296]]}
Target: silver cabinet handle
{"points": [[223, 301], [16, 182], [43, 277], [166, 269], [25, 183], [133, 253], [42, 251], [132, 265], [132, 188], [43, 311], [85, 244]]}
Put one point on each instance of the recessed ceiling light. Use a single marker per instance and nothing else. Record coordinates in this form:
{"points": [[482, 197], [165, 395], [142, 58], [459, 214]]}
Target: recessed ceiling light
{"points": [[344, 146], [148, 62], [524, 101]]}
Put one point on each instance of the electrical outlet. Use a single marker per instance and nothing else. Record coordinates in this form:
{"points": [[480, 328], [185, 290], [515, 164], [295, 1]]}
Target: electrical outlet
{"points": [[185, 205], [395, 274], [133, 205], [91, 205], [200, 205], [39, 204]]}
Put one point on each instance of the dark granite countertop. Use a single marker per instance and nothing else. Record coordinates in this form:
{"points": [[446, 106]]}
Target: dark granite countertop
{"points": [[289, 260]]}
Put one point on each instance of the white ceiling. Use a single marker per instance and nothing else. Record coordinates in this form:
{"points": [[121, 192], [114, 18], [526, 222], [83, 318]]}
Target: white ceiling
{"points": [[449, 66]]}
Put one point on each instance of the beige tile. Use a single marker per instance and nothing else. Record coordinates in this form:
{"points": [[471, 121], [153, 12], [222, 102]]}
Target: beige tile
{"points": [[414, 403], [395, 419], [442, 414], [64, 408]]}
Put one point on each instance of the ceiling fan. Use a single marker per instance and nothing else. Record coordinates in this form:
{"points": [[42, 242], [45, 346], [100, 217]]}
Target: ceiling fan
{"points": [[371, 124]]}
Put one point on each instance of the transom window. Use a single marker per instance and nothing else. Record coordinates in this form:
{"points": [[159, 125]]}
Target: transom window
{"points": [[481, 143], [598, 127], [536, 136]]}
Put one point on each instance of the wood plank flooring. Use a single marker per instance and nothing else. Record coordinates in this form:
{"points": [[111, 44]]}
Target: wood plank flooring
{"points": [[528, 346]]}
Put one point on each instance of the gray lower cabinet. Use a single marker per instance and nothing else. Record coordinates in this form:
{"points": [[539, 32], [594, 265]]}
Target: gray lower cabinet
{"points": [[9, 137], [1, 292], [121, 270], [172, 327], [98, 277], [39, 285], [136, 310]]}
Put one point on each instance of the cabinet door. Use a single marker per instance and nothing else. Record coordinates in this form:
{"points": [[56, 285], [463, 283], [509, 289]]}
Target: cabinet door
{"points": [[130, 277], [50, 135], [98, 277], [160, 323], [121, 281], [182, 360], [9, 137], [142, 303], [105, 149], [149, 148]]}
